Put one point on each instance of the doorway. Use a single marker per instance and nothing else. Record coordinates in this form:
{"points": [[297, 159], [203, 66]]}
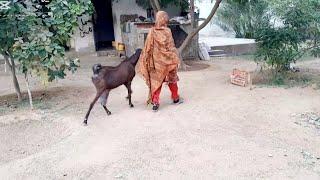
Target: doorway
{"points": [[103, 24]]}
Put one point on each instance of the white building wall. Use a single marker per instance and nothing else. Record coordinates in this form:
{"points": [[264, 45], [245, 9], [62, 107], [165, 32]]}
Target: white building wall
{"points": [[83, 40], [86, 43], [124, 7], [129, 7]]}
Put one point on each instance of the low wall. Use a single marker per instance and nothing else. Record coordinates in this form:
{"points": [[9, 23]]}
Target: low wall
{"points": [[237, 49]]}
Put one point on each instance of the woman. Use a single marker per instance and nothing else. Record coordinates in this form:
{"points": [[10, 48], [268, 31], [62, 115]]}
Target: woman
{"points": [[159, 61]]}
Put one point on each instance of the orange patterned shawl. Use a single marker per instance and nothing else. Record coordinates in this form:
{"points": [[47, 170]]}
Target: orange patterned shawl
{"points": [[159, 59]]}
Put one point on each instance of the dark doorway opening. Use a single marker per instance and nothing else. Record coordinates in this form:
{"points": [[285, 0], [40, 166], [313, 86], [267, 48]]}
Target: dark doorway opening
{"points": [[103, 24]]}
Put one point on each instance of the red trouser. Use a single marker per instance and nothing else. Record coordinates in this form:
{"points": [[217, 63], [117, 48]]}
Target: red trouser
{"points": [[174, 93]]}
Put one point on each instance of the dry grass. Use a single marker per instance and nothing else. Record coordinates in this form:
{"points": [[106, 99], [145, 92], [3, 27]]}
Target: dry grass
{"points": [[303, 78]]}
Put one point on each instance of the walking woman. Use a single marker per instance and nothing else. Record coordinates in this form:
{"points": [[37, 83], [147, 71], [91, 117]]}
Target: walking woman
{"points": [[159, 61]]}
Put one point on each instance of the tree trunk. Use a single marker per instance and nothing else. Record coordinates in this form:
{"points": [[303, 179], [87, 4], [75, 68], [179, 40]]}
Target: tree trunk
{"points": [[157, 4], [12, 67], [153, 7], [29, 91], [196, 31], [183, 65], [192, 14]]}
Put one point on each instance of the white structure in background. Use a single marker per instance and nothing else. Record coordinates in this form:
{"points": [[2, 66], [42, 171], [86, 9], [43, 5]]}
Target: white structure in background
{"points": [[107, 27], [211, 30], [204, 51], [221, 42], [85, 39]]}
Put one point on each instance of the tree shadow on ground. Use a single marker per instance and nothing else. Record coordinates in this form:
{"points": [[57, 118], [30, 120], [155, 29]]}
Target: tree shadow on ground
{"points": [[193, 65]]}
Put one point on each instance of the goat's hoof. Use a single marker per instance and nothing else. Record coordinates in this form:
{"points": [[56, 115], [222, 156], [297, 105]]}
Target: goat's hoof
{"points": [[85, 123], [109, 113], [131, 105]]}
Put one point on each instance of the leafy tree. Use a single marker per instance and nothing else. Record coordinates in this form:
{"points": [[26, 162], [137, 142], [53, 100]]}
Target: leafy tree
{"points": [[34, 35], [278, 47], [299, 34], [243, 16]]}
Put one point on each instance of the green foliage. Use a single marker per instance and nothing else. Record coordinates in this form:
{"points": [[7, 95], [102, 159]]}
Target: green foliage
{"points": [[243, 16], [307, 16], [36, 35], [298, 34], [314, 28], [278, 47]]}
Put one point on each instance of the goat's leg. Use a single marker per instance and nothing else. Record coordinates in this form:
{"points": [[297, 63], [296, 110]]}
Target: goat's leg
{"points": [[91, 106], [127, 97], [104, 99], [106, 109], [128, 86]]}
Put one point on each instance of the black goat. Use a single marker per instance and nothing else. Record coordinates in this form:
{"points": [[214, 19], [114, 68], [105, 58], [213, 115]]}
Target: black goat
{"points": [[106, 78]]}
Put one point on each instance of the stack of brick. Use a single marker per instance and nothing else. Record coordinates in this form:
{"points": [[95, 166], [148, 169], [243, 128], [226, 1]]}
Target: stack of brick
{"points": [[240, 78]]}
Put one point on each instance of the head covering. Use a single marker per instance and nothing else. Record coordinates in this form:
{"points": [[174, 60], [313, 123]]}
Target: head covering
{"points": [[162, 20], [159, 59]]}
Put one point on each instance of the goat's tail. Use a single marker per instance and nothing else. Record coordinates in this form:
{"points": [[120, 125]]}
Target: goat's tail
{"points": [[96, 68]]}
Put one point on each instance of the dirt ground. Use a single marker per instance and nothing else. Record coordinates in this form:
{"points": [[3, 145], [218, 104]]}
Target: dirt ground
{"points": [[221, 131]]}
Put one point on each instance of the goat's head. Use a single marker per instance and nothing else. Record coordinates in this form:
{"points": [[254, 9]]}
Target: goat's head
{"points": [[138, 53], [135, 57]]}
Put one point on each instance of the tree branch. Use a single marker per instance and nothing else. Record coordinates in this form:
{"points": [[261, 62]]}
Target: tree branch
{"points": [[305, 50], [312, 47], [192, 34]]}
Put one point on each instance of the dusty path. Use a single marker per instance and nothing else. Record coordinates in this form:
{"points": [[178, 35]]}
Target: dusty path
{"points": [[220, 132]]}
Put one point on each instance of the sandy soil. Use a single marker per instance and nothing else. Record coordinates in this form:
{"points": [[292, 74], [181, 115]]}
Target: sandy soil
{"points": [[220, 132]]}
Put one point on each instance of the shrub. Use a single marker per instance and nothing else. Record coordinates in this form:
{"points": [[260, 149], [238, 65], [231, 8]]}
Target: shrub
{"points": [[298, 34]]}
